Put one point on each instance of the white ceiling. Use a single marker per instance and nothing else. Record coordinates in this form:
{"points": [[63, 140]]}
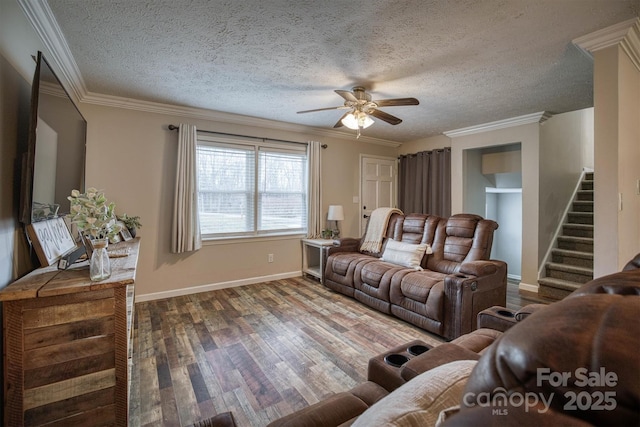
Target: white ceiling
{"points": [[468, 61]]}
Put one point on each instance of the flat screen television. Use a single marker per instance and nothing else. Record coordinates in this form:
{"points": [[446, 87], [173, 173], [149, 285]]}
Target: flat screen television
{"points": [[54, 162]]}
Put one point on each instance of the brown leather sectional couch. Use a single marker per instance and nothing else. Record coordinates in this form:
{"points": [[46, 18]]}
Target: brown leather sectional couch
{"points": [[575, 362], [456, 282]]}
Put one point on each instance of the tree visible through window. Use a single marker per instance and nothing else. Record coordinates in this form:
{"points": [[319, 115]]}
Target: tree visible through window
{"points": [[248, 189]]}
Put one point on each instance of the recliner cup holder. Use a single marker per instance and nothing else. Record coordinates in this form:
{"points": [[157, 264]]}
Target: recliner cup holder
{"points": [[505, 313], [395, 359], [417, 349]]}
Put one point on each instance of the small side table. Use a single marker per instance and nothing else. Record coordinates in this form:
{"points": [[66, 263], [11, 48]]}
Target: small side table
{"points": [[313, 257]]}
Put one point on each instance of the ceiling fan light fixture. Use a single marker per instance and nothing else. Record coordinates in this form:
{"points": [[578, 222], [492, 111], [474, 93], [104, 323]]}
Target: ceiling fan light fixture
{"points": [[357, 120], [360, 107]]}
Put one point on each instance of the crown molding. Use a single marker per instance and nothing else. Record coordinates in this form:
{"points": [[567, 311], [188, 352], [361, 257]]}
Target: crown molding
{"points": [[626, 34], [500, 124], [41, 17], [219, 116]]}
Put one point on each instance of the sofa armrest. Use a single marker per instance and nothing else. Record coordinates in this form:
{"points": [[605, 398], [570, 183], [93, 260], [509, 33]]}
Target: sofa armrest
{"points": [[467, 294], [437, 356], [335, 410], [332, 411], [344, 244], [479, 268], [528, 310], [497, 317], [501, 319]]}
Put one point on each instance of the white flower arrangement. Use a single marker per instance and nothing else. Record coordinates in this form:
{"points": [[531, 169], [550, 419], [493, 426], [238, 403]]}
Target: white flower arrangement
{"points": [[92, 215]]}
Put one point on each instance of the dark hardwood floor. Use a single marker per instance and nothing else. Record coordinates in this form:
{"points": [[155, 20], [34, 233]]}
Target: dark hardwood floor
{"points": [[261, 351], [517, 299]]}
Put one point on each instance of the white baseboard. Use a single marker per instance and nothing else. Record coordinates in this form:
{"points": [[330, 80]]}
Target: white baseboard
{"points": [[215, 286], [527, 287]]}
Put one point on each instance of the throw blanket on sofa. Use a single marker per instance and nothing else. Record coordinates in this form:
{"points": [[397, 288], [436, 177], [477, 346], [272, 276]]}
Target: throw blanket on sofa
{"points": [[378, 222]]}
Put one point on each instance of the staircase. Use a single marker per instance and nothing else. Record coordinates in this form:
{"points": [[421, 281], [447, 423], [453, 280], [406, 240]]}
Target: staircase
{"points": [[571, 262]]}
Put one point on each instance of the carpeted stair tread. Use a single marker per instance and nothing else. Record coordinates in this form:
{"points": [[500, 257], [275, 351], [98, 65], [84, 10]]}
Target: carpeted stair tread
{"points": [[556, 288], [578, 230], [572, 257], [576, 239], [575, 243], [580, 217], [582, 206], [581, 214], [574, 254], [559, 284], [570, 268], [579, 226]]}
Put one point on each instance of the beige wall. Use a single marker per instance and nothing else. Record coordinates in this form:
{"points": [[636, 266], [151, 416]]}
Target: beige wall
{"points": [[617, 132], [425, 144], [566, 148], [131, 155], [629, 161]]}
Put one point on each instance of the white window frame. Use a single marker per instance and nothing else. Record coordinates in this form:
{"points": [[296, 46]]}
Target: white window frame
{"points": [[256, 145]]}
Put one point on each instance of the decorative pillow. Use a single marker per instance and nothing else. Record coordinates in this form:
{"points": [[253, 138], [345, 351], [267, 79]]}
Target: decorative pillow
{"points": [[406, 254], [446, 415], [419, 401]]}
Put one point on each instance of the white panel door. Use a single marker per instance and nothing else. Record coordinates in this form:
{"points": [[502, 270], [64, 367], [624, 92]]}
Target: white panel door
{"points": [[377, 186]]}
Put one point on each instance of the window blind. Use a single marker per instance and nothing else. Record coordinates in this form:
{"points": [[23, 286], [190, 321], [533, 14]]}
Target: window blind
{"points": [[251, 189]]}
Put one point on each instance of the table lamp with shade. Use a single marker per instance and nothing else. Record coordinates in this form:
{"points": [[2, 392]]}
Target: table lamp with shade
{"points": [[336, 213]]}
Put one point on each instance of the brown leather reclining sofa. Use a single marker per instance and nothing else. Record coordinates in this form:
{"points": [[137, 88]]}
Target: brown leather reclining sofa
{"points": [[575, 362], [456, 282]]}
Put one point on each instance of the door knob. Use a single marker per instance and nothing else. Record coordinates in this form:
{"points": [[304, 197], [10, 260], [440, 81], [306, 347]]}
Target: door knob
{"points": [[365, 216]]}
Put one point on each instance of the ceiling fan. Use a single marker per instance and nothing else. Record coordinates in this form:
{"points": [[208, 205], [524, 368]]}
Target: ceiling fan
{"points": [[360, 107]]}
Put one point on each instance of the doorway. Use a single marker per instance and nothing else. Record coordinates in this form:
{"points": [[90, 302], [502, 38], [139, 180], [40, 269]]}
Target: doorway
{"points": [[493, 189], [378, 183]]}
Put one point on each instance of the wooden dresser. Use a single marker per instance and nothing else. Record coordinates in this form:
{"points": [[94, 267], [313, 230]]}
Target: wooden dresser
{"points": [[67, 344]]}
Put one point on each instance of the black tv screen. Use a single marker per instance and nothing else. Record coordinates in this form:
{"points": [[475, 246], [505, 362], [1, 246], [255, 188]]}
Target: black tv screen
{"points": [[55, 158]]}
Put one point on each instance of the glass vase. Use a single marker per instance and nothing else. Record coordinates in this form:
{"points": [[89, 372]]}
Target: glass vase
{"points": [[99, 266]]}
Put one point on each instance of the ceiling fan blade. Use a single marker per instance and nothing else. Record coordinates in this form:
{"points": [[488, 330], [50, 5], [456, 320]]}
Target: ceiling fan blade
{"points": [[322, 109], [397, 102], [346, 95], [385, 117], [339, 122]]}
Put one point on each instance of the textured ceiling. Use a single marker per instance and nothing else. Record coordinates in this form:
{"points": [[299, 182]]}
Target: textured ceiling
{"points": [[468, 61]]}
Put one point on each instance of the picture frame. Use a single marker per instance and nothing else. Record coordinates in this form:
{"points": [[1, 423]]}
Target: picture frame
{"points": [[124, 232], [51, 240]]}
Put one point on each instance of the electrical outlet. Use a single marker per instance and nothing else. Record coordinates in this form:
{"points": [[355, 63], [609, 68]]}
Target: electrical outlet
{"points": [[270, 258]]}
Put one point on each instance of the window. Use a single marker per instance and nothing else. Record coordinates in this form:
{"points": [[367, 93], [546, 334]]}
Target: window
{"points": [[251, 189]]}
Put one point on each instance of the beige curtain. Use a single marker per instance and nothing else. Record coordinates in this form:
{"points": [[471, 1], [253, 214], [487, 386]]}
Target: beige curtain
{"points": [[185, 233], [314, 226], [425, 182]]}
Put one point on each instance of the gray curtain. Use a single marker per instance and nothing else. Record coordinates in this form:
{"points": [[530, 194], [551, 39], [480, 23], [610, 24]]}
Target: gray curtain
{"points": [[425, 182]]}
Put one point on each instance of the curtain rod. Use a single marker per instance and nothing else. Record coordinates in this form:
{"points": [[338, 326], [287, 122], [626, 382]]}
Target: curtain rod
{"points": [[423, 152], [174, 127]]}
